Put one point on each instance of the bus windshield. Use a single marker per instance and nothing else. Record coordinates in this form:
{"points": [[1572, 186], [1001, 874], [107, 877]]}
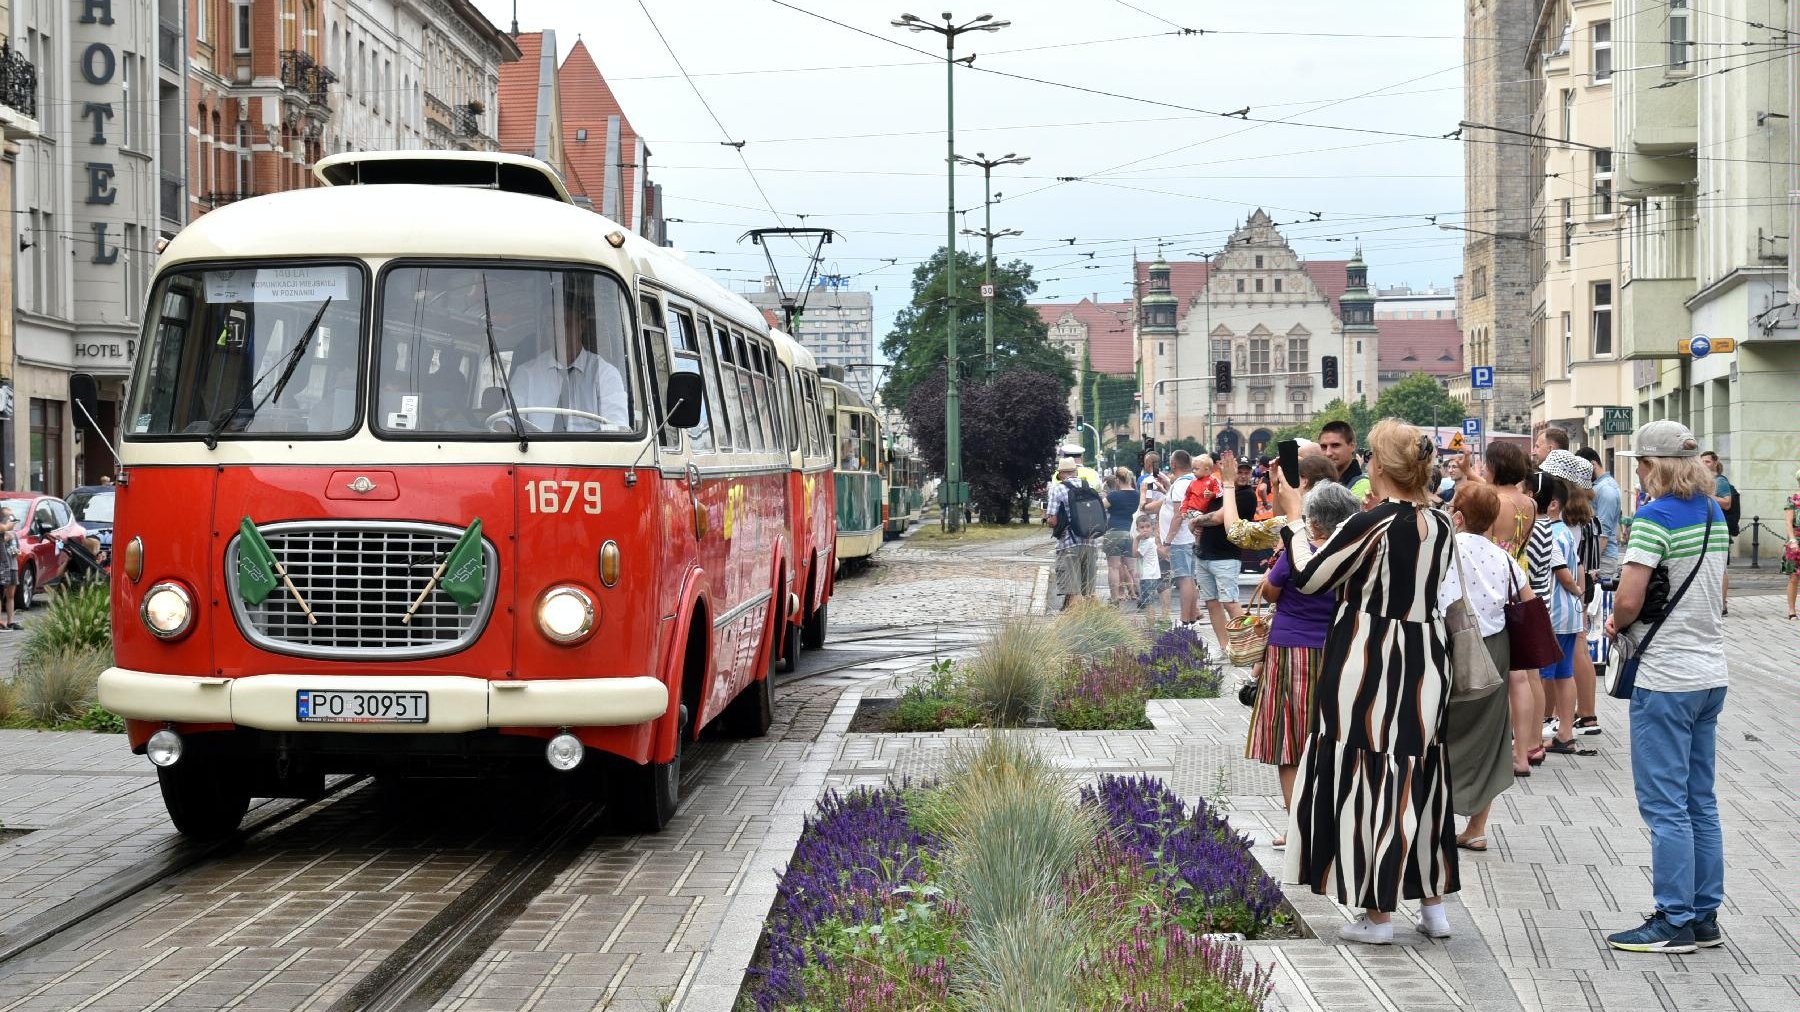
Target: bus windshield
{"points": [[454, 341], [267, 350]]}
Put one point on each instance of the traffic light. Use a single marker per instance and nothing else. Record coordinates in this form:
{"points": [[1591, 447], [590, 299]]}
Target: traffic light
{"points": [[1222, 376], [1149, 444], [1328, 366]]}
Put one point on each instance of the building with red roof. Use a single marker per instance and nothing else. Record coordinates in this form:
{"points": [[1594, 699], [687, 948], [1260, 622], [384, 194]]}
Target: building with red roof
{"points": [[568, 116]]}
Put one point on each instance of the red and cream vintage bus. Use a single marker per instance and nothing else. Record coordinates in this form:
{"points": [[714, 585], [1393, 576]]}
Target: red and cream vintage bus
{"points": [[431, 471]]}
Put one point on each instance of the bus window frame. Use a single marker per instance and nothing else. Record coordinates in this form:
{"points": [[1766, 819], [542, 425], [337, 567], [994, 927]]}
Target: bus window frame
{"points": [[655, 335], [753, 424], [785, 392], [680, 352], [633, 325], [709, 370], [365, 328], [740, 433]]}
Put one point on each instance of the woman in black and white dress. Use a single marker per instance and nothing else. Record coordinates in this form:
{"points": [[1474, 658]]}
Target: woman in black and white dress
{"points": [[1371, 823]]}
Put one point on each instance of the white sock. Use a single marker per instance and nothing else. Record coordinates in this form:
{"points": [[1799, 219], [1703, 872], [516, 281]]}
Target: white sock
{"points": [[1433, 914]]}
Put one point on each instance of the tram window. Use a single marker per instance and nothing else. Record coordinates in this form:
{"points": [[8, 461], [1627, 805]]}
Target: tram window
{"points": [[687, 359], [821, 446], [765, 401], [559, 340], [869, 443], [656, 342], [747, 394], [784, 385], [740, 433], [715, 402], [251, 352]]}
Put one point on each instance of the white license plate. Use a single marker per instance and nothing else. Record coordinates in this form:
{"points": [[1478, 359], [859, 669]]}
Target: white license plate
{"points": [[333, 706]]}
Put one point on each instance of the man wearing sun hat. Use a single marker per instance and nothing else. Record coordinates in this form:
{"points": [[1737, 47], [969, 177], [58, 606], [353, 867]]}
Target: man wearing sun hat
{"points": [[1680, 688]]}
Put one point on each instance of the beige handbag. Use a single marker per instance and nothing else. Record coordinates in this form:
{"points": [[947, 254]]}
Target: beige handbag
{"points": [[1247, 636], [1472, 671]]}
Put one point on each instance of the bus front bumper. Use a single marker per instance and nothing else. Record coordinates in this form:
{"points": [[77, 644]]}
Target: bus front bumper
{"points": [[455, 703]]}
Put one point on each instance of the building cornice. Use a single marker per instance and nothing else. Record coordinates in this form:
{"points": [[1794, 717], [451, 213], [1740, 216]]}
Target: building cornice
{"points": [[1738, 276]]}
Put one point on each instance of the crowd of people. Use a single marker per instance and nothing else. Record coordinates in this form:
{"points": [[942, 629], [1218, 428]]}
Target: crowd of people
{"points": [[1352, 700]]}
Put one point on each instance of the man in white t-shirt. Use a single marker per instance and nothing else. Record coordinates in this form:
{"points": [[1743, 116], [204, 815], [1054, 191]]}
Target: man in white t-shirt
{"points": [[1175, 539]]}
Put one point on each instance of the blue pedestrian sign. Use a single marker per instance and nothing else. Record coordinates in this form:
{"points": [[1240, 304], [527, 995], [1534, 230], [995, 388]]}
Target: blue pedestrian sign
{"points": [[1481, 377], [1149, 416], [1471, 426]]}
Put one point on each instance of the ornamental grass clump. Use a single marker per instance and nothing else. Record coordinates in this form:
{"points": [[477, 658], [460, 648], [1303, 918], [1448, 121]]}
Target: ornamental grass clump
{"points": [[79, 618], [1009, 679], [60, 684], [1091, 629], [1202, 866]]}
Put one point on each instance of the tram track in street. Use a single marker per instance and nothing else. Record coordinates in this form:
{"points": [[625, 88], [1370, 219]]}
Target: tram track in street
{"points": [[42, 930]]}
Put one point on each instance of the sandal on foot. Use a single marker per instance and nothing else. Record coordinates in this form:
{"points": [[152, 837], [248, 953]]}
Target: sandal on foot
{"points": [[1522, 773], [1561, 747], [1279, 843], [1478, 844], [1536, 756]]}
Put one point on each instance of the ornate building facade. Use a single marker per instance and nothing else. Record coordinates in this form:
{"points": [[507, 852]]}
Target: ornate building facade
{"points": [[1272, 316]]}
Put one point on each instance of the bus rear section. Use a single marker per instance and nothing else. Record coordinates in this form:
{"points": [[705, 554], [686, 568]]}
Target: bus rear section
{"points": [[404, 516]]}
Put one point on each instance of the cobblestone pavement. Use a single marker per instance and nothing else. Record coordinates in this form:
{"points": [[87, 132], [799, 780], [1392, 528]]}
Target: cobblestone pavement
{"points": [[986, 581]]}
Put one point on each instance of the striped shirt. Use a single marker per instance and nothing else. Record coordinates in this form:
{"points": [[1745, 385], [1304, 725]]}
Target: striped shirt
{"points": [[1542, 557], [1565, 608], [1688, 652]]}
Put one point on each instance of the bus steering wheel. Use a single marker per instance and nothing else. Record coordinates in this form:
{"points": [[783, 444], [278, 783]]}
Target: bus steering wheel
{"points": [[523, 411]]}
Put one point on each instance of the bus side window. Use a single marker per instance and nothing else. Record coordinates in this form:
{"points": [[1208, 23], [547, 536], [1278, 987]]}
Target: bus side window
{"points": [[771, 406], [709, 366], [747, 393], [784, 385], [687, 359], [656, 344], [728, 379]]}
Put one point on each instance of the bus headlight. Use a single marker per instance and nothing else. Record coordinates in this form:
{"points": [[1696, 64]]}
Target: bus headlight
{"points": [[164, 748], [565, 614], [168, 610]]}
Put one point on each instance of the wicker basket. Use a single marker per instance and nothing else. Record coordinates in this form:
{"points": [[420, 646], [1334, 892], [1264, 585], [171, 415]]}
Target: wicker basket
{"points": [[1247, 636]]}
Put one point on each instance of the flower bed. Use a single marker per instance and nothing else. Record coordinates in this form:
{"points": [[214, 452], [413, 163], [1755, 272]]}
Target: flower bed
{"points": [[1105, 693], [878, 912]]}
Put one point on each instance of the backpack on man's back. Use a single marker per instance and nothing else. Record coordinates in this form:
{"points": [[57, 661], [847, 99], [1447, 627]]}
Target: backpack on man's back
{"points": [[1084, 510]]}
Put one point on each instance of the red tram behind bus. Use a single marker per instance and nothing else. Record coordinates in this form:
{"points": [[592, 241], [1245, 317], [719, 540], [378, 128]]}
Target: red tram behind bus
{"points": [[431, 470]]}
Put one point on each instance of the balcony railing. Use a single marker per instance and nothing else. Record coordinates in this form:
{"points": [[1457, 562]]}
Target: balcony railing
{"points": [[468, 119], [170, 193], [220, 198], [168, 45], [18, 81], [301, 73]]}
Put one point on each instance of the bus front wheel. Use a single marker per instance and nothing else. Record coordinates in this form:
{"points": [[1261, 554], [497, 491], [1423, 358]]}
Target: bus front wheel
{"points": [[206, 796], [644, 799]]}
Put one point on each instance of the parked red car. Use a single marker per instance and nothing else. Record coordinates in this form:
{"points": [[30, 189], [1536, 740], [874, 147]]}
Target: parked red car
{"points": [[44, 521]]}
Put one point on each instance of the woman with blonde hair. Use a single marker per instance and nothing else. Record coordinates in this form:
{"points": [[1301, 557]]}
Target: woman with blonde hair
{"points": [[1384, 680]]}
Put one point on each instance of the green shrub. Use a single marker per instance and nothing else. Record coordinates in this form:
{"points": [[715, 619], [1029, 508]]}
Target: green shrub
{"points": [[99, 718], [1091, 629], [934, 704], [9, 702], [1011, 676], [79, 618], [59, 686]]}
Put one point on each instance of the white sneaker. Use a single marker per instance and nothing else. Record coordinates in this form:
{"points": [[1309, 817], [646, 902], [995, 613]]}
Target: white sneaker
{"points": [[1367, 932], [1551, 726], [1434, 927]]}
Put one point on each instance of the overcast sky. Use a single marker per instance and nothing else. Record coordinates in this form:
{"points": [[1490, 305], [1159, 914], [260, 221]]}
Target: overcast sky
{"points": [[848, 130]]}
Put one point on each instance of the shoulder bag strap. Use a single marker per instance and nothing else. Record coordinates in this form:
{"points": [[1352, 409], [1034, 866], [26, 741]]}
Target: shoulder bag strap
{"points": [[1669, 609]]}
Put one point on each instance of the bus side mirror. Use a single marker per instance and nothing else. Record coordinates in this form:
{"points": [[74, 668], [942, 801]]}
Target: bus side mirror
{"points": [[84, 391], [684, 396]]}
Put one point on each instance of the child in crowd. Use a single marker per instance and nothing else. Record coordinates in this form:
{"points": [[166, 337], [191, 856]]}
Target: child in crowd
{"points": [[1153, 592]]}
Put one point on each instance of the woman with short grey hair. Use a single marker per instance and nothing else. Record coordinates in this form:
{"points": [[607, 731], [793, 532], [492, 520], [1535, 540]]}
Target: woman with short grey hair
{"points": [[1326, 506]]}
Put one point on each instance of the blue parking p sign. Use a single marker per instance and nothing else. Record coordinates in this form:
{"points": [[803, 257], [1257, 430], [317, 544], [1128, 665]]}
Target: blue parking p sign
{"points": [[1471, 426], [1481, 377]]}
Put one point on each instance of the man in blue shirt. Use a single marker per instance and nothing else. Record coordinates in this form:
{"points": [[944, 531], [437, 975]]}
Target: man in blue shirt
{"points": [[1608, 505]]}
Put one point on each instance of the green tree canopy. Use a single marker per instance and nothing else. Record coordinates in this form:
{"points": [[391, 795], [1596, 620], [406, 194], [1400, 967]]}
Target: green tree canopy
{"points": [[917, 342], [1010, 427], [1421, 400]]}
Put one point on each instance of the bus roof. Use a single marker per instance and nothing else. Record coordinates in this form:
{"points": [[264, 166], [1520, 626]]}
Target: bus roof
{"points": [[491, 170], [421, 220]]}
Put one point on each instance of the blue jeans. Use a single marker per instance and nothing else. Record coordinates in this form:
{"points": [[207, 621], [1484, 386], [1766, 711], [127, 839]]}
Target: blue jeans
{"points": [[1672, 754]]}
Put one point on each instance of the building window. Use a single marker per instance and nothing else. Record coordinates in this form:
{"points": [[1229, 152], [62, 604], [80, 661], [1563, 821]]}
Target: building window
{"points": [[1297, 355], [1159, 349], [1568, 228], [1603, 344], [1601, 34], [1259, 263], [1278, 284], [1259, 356], [1240, 286], [1359, 352], [1478, 284], [200, 21], [1568, 113], [1221, 351], [1568, 343], [1603, 183], [240, 26], [46, 446], [1680, 47], [1259, 284]]}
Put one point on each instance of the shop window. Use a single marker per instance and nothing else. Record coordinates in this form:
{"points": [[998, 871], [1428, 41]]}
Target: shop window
{"points": [[46, 446]]}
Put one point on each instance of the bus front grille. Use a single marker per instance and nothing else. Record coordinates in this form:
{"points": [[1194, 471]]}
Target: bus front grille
{"points": [[359, 578]]}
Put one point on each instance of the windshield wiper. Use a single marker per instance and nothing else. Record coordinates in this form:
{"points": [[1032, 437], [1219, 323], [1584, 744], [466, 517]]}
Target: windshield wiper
{"points": [[287, 372], [512, 407]]}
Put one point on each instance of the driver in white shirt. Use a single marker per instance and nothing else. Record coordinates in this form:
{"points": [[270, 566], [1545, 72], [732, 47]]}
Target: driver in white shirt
{"points": [[571, 376]]}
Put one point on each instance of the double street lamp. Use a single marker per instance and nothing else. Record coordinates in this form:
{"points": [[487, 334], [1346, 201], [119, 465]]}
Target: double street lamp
{"points": [[987, 232], [952, 406]]}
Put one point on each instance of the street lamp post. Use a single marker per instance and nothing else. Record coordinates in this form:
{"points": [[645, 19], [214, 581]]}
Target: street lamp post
{"points": [[987, 203], [952, 405]]}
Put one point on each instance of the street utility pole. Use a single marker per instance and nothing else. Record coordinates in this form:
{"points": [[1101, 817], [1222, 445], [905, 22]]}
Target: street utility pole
{"points": [[987, 202], [953, 482]]}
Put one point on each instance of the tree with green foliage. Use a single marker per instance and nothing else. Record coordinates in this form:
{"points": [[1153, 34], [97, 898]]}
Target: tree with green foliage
{"points": [[1011, 425], [916, 344], [1420, 399]]}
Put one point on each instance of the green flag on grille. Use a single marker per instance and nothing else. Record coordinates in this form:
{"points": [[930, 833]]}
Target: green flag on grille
{"points": [[256, 578], [465, 569]]}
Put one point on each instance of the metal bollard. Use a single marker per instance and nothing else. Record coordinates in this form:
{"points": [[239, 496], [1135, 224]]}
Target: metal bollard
{"points": [[1756, 542]]}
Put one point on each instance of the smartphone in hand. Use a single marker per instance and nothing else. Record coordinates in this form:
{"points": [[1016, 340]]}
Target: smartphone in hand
{"points": [[1289, 453]]}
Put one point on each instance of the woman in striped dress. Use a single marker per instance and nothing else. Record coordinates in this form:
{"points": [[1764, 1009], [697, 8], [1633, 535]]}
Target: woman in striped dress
{"points": [[1371, 823]]}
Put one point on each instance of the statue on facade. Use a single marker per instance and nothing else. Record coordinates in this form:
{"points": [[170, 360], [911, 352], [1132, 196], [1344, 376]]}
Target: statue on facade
{"points": [[1280, 358], [1240, 358]]}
